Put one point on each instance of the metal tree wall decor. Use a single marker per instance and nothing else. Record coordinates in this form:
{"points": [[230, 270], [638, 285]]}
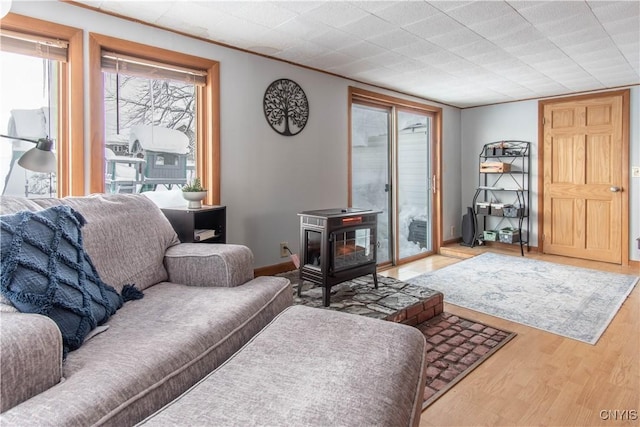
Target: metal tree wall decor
{"points": [[286, 107]]}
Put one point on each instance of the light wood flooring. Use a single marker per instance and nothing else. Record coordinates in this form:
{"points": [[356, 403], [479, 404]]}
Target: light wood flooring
{"points": [[542, 379]]}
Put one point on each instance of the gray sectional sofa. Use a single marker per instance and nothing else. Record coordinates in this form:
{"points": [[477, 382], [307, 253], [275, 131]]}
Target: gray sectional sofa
{"points": [[201, 304], [207, 344]]}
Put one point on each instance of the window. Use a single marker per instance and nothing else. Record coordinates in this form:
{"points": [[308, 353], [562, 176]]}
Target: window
{"points": [[150, 123], [156, 122], [41, 66]]}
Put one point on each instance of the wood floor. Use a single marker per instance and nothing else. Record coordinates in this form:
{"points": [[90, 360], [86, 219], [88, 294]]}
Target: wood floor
{"points": [[540, 378]]}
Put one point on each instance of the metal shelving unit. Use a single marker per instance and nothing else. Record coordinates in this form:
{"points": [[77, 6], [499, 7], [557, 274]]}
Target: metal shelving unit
{"points": [[510, 187]]}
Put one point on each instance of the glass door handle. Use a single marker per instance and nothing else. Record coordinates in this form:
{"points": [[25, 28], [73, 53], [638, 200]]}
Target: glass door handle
{"points": [[433, 184], [387, 187]]}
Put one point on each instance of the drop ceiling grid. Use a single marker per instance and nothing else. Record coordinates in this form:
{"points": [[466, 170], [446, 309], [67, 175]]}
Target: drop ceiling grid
{"points": [[510, 49]]}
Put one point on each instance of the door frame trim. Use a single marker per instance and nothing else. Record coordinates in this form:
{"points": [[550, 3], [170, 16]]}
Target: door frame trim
{"points": [[624, 226]]}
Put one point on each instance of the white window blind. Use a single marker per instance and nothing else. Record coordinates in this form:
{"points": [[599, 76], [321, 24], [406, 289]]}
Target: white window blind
{"points": [[118, 63], [32, 45]]}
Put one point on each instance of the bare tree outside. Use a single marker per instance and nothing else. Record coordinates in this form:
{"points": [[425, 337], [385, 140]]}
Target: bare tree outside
{"points": [[286, 107], [162, 159], [141, 101]]}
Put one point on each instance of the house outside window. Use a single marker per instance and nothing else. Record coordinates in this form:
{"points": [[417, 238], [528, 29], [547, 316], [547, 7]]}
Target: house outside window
{"points": [[156, 118]]}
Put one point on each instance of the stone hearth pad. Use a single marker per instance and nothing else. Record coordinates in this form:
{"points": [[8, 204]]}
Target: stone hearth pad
{"points": [[394, 300]]}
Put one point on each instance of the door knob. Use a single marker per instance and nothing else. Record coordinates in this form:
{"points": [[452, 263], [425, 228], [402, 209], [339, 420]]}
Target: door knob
{"points": [[614, 189]]}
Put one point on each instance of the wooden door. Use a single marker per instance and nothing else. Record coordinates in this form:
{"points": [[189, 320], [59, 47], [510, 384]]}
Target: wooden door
{"points": [[583, 188]]}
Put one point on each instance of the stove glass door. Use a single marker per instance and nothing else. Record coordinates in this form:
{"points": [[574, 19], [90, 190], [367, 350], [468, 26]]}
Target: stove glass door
{"points": [[312, 249], [351, 248]]}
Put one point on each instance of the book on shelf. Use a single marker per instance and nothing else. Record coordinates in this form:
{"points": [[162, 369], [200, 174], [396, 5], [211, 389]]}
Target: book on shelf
{"points": [[203, 234]]}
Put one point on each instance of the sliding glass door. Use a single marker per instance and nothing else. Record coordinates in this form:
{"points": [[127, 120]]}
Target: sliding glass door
{"points": [[370, 172], [394, 169], [415, 184]]}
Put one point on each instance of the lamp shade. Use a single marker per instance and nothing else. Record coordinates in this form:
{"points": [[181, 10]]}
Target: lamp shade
{"points": [[40, 158]]}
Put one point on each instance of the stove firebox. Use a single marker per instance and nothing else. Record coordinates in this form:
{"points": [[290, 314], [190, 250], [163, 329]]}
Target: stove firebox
{"points": [[337, 245]]}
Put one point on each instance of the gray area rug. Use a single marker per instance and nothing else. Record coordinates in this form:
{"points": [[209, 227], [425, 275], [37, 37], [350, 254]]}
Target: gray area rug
{"points": [[569, 301]]}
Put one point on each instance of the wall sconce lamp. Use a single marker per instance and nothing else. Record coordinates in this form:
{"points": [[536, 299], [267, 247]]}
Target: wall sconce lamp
{"points": [[40, 158]]}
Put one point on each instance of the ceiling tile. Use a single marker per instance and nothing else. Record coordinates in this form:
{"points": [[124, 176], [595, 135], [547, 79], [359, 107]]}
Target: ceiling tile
{"points": [[371, 6], [447, 5], [477, 47], [490, 57], [387, 58], [457, 38], [604, 46], [630, 24], [298, 6], [303, 51], [500, 27], [406, 66], [330, 60], [537, 51], [362, 49], [406, 12], [612, 11], [418, 49], [139, 10], [434, 26], [262, 12], [303, 28], [553, 11], [353, 68], [277, 40], [335, 14], [572, 25], [441, 59], [579, 37], [480, 11], [393, 39], [523, 37], [334, 39], [366, 26]]}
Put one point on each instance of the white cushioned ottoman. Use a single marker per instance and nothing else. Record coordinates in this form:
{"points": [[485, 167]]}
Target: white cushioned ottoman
{"points": [[312, 367]]}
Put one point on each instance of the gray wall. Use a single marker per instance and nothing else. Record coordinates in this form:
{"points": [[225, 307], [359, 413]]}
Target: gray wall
{"points": [[519, 120], [266, 178]]}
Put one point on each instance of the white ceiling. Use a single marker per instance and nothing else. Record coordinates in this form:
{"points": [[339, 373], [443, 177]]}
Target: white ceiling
{"points": [[461, 53]]}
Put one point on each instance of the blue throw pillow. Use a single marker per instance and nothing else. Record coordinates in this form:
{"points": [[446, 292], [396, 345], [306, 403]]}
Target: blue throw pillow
{"points": [[45, 270]]}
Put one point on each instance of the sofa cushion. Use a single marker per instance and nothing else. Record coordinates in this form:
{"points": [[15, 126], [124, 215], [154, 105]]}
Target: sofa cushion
{"points": [[154, 350], [126, 235], [211, 264], [45, 270]]}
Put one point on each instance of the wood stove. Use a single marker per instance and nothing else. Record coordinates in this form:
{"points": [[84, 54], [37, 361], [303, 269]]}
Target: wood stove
{"points": [[337, 245]]}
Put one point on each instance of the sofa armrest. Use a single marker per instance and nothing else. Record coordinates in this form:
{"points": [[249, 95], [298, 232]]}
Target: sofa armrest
{"points": [[31, 349], [205, 264]]}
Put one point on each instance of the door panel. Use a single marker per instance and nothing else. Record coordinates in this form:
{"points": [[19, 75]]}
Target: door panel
{"points": [[415, 224], [370, 174], [599, 159], [583, 150]]}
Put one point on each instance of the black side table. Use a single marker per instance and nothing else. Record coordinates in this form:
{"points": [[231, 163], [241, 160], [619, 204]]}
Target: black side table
{"points": [[206, 225]]}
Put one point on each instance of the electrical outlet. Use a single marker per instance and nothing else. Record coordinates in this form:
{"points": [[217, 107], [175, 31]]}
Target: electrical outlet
{"points": [[453, 230], [635, 171], [283, 249]]}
